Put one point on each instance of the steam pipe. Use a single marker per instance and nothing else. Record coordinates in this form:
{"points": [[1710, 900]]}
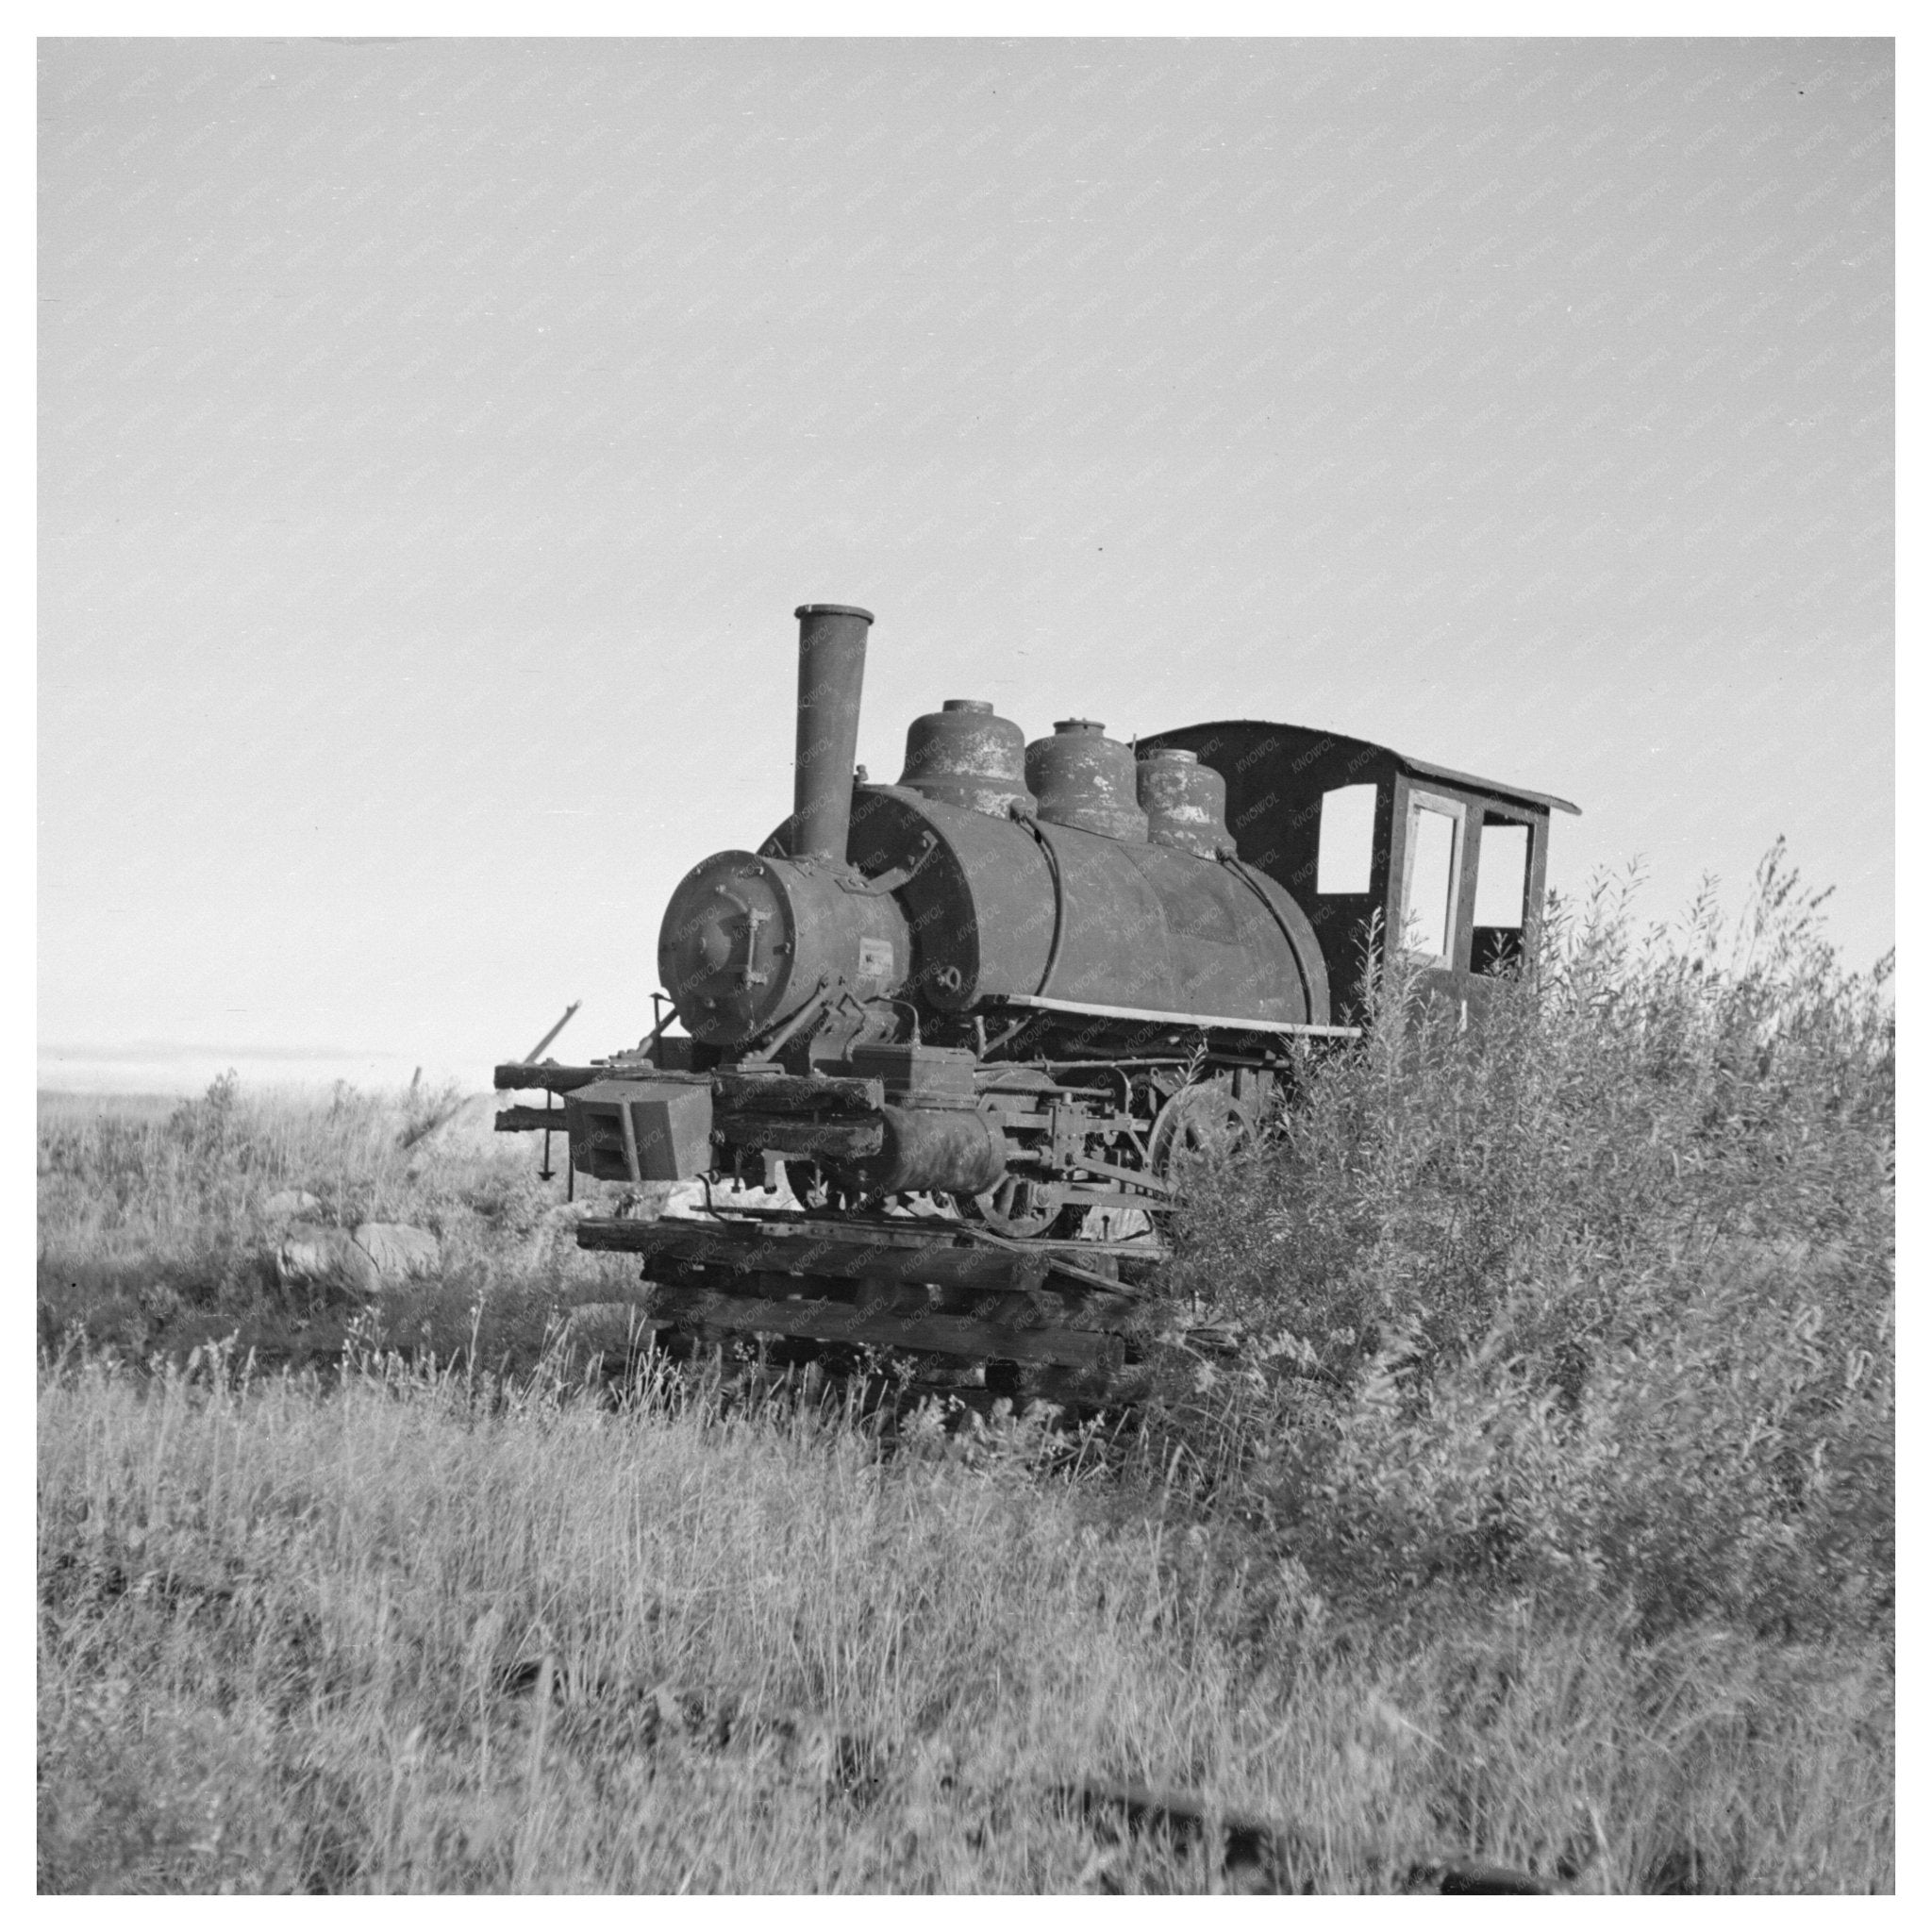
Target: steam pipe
{"points": [[831, 679]]}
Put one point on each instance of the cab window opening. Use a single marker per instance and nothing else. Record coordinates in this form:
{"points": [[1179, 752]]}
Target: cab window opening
{"points": [[1345, 854], [1502, 893], [1431, 876]]}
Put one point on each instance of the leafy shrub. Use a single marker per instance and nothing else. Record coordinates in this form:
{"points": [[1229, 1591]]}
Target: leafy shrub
{"points": [[1591, 1295]]}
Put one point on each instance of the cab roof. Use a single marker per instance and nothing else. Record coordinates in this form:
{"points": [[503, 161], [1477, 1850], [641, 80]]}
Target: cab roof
{"points": [[1420, 768]]}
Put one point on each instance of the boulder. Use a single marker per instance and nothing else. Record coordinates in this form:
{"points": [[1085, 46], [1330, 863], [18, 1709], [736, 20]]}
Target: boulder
{"points": [[325, 1262], [332, 1261], [399, 1252], [291, 1204]]}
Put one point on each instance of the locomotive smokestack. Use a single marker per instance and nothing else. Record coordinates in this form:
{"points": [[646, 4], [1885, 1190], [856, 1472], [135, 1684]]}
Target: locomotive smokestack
{"points": [[831, 677]]}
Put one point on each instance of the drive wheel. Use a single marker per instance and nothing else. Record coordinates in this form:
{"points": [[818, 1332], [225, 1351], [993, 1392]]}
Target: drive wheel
{"points": [[1204, 1122]]}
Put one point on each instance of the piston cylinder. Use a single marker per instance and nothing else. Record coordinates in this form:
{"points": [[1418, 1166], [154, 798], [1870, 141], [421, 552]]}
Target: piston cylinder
{"points": [[1186, 803], [1083, 778], [933, 1150], [964, 755]]}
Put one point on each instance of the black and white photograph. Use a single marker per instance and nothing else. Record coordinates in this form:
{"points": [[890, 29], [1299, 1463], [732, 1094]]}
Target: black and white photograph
{"points": [[965, 960]]}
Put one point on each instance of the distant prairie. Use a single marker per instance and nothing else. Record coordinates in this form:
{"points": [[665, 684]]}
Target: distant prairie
{"points": [[183, 1071]]}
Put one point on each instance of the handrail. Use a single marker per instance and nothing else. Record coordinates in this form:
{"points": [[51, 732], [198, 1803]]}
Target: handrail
{"points": [[1060, 902], [1247, 879]]}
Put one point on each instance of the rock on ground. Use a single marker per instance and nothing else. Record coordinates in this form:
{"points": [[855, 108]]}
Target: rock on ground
{"points": [[399, 1252], [332, 1261], [326, 1261]]}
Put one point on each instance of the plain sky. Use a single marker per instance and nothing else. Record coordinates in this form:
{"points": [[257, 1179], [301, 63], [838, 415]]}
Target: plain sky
{"points": [[436, 436]]}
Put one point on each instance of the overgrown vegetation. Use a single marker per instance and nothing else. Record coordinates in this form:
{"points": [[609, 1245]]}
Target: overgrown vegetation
{"points": [[1591, 1298], [1547, 1516]]}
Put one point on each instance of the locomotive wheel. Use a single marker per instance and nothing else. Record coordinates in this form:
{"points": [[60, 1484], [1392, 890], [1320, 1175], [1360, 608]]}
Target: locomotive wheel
{"points": [[1016, 1207], [1202, 1123]]}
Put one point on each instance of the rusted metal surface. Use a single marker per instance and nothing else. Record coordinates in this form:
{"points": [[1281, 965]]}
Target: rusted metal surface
{"points": [[964, 755], [641, 1130], [1149, 927], [1277, 776], [1205, 1119], [979, 910], [1083, 778], [924, 1073], [930, 1150], [848, 1140], [1186, 803], [747, 940], [831, 679], [1304, 947], [783, 1093], [1001, 910]]}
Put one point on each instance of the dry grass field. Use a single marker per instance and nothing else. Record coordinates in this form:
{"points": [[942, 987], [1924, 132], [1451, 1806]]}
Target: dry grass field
{"points": [[1546, 1521]]}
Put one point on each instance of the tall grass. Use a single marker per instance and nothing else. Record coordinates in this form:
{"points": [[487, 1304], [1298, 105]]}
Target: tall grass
{"points": [[280, 1639], [1545, 1515]]}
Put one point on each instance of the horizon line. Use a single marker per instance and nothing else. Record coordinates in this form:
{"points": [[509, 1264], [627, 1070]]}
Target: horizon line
{"points": [[159, 1050]]}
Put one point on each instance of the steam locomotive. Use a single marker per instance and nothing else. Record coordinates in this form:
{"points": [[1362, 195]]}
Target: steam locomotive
{"points": [[973, 1022]]}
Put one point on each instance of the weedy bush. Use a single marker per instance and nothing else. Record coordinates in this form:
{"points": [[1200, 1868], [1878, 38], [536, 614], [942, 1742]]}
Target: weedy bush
{"points": [[1589, 1293]]}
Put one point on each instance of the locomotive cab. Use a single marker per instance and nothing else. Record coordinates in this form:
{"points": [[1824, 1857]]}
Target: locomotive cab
{"points": [[1453, 864]]}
